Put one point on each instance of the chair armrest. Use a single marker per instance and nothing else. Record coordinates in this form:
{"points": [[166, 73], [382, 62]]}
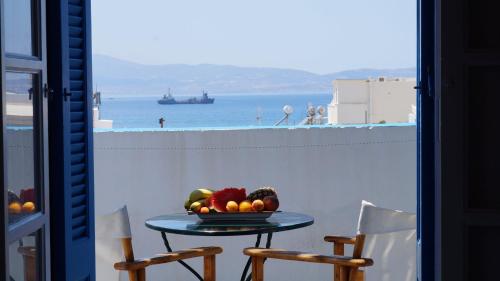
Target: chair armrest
{"points": [[307, 257], [340, 239], [168, 257]]}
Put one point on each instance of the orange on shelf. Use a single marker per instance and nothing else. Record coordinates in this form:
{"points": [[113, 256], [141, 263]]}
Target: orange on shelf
{"points": [[15, 208], [29, 207]]}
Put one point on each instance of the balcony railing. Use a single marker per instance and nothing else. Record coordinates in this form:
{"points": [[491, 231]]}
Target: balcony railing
{"points": [[324, 172]]}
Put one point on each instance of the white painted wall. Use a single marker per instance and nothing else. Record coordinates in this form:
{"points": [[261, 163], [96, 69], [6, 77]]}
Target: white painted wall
{"points": [[392, 100], [383, 99], [324, 172]]}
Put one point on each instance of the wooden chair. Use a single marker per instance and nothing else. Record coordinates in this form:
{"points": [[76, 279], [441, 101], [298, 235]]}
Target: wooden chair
{"points": [[29, 260], [346, 268], [137, 267], [114, 240], [374, 222]]}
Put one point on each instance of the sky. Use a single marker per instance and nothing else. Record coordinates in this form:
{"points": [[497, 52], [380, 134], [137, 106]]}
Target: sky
{"points": [[320, 36]]}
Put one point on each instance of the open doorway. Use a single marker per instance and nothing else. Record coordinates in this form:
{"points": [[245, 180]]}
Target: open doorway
{"points": [[316, 100]]}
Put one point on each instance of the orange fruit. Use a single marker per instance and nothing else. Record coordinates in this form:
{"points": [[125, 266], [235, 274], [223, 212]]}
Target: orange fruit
{"points": [[204, 210], [245, 206], [258, 205], [29, 207], [15, 208], [232, 207]]}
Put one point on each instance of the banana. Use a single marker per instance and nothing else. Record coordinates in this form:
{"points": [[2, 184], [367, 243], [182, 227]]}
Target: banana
{"points": [[196, 206], [200, 193], [187, 204]]}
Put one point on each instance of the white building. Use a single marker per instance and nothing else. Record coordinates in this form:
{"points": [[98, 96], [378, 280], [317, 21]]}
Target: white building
{"points": [[363, 101], [98, 122], [96, 114]]}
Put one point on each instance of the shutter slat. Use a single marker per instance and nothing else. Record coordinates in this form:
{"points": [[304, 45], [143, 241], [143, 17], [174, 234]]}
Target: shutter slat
{"points": [[76, 74], [76, 64], [77, 169], [77, 148], [77, 158], [77, 126], [77, 116], [75, 53], [75, 31], [78, 200], [75, 42], [75, 10], [78, 232], [77, 137], [76, 95], [79, 222], [78, 190], [78, 210], [78, 179], [75, 21], [76, 85]]}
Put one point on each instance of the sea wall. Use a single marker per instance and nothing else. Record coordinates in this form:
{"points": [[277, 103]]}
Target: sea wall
{"points": [[324, 172]]}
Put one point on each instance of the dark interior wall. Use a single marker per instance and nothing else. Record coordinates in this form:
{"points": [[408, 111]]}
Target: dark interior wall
{"points": [[469, 192]]}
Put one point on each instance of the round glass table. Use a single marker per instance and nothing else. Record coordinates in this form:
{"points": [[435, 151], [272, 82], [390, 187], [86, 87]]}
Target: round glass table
{"points": [[185, 224]]}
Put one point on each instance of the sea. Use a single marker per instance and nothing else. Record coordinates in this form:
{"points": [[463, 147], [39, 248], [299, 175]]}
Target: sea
{"points": [[227, 111]]}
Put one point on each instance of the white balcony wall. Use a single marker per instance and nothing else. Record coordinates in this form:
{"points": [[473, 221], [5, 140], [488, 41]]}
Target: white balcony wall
{"points": [[324, 172]]}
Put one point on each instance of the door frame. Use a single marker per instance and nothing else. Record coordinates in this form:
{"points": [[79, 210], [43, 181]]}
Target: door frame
{"points": [[3, 193], [427, 168], [40, 221]]}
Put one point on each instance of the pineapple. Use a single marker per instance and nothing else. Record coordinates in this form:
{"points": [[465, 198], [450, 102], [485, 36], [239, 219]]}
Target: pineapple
{"points": [[262, 192]]}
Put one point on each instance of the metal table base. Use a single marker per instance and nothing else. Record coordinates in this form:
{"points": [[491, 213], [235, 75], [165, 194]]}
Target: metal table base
{"points": [[245, 276]]}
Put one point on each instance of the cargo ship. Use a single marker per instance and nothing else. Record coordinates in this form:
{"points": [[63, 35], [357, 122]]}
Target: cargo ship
{"points": [[169, 99]]}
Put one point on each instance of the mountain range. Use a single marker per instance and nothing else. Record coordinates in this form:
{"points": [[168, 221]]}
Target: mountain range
{"points": [[115, 77]]}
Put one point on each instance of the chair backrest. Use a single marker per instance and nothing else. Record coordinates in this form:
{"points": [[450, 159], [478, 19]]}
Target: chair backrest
{"points": [[390, 240], [112, 233]]}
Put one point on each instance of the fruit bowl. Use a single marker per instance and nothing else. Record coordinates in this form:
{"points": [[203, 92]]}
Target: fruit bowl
{"points": [[235, 217], [232, 204]]}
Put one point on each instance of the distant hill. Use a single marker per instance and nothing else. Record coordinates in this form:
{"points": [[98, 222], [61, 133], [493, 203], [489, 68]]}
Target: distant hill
{"points": [[115, 77]]}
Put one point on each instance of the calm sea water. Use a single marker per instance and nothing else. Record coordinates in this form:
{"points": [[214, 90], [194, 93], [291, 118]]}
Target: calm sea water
{"points": [[227, 111]]}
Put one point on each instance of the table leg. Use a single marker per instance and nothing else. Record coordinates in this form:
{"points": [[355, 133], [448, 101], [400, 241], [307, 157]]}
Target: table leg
{"points": [[249, 261], [257, 244], [169, 249]]}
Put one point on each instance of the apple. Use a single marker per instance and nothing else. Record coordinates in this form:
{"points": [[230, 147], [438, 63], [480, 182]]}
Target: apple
{"points": [[271, 203]]}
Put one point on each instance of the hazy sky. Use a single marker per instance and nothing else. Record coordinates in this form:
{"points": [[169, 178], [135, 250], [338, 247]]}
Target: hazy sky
{"points": [[320, 36]]}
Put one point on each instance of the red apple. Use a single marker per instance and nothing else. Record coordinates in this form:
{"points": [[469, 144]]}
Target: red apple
{"points": [[271, 203]]}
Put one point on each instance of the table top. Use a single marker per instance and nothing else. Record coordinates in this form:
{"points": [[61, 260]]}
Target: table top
{"points": [[191, 225]]}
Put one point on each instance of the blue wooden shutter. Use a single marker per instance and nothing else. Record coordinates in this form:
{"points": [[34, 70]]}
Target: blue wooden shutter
{"points": [[71, 146]]}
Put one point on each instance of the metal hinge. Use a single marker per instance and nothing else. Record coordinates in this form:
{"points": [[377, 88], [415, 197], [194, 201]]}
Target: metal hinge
{"points": [[425, 86], [66, 94], [47, 90]]}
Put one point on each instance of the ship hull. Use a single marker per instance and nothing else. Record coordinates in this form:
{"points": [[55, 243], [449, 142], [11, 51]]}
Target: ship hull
{"points": [[172, 102]]}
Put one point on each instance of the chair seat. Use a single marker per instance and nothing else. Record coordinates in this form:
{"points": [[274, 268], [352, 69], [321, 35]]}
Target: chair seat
{"points": [[307, 257], [168, 257]]}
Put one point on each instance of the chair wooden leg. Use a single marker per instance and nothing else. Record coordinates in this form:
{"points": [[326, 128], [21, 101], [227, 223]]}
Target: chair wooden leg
{"points": [[132, 275], [360, 276], [338, 249], [344, 273], [257, 269], [141, 275], [209, 268], [355, 274]]}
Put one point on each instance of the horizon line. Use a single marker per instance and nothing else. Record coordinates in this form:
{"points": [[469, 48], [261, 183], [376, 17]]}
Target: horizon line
{"points": [[264, 67]]}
